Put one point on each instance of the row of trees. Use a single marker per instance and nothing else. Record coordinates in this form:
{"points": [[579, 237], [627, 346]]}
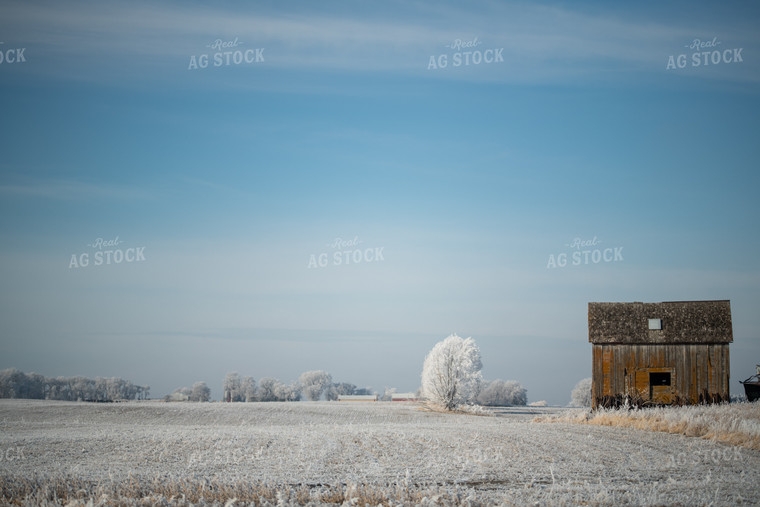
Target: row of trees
{"points": [[199, 392], [237, 388], [451, 376], [311, 385], [15, 383], [500, 393]]}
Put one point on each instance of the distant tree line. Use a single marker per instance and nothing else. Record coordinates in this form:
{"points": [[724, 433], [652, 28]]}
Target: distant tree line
{"points": [[502, 393], [311, 385], [15, 383], [199, 392]]}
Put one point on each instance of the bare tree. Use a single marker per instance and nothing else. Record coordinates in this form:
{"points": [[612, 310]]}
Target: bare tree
{"points": [[451, 372]]}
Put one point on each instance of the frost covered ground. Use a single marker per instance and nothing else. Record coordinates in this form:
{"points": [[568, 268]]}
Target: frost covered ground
{"points": [[330, 452]]}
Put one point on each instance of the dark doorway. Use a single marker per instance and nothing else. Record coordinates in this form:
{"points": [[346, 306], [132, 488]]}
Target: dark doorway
{"points": [[659, 378]]}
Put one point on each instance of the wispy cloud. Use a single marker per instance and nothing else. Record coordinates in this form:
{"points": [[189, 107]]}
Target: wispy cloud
{"points": [[540, 43]]}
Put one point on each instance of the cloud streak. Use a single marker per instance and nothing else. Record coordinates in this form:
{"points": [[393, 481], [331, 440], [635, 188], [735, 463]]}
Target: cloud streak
{"points": [[540, 43]]}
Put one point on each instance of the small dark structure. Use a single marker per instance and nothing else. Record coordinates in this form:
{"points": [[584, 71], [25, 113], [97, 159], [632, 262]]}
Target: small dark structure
{"points": [[752, 386], [660, 353]]}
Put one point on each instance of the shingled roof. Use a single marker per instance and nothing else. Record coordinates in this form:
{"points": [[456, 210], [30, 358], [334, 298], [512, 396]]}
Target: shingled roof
{"points": [[682, 322]]}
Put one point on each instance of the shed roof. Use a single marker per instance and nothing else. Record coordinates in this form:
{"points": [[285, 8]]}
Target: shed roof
{"points": [[682, 322]]}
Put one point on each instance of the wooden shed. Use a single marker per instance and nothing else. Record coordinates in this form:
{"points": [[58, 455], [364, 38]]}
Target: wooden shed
{"points": [[667, 353]]}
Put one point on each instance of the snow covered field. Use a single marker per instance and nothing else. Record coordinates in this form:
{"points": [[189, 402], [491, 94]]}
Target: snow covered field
{"points": [[334, 452]]}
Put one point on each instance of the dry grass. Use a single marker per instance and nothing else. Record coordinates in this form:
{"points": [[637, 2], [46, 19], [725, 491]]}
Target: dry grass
{"points": [[138, 491], [736, 424]]}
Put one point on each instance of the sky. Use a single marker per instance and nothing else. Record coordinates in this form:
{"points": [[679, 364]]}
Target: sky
{"points": [[292, 186]]}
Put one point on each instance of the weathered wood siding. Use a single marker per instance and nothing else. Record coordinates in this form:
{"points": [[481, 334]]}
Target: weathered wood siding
{"points": [[698, 372]]}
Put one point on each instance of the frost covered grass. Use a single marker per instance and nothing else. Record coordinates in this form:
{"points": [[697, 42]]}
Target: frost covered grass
{"points": [[135, 490], [330, 453], [735, 424]]}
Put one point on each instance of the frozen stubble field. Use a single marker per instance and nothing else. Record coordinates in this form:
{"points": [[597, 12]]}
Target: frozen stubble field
{"points": [[386, 447]]}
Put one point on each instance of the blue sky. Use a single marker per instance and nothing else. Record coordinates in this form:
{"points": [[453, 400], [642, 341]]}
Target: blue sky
{"points": [[467, 179]]}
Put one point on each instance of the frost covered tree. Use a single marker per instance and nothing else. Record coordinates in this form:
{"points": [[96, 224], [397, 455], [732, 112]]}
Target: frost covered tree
{"points": [[200, 392], [451, 372], [143, 392], [388, 394], [339, 389], [284, 392], [580, 396], [267, 388], [179, 394], [503, 393], [248, 388], [271, 389], [17, 384], [232, 387], [314, 383]]}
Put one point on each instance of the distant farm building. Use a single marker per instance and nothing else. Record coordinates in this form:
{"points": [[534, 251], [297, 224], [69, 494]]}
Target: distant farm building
{"points": [[660, 353], [357, 397], [404, 397]]}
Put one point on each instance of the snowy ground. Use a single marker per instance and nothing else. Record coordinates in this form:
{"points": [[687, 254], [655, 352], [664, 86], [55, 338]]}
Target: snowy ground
{"points": [[502, 458]]}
